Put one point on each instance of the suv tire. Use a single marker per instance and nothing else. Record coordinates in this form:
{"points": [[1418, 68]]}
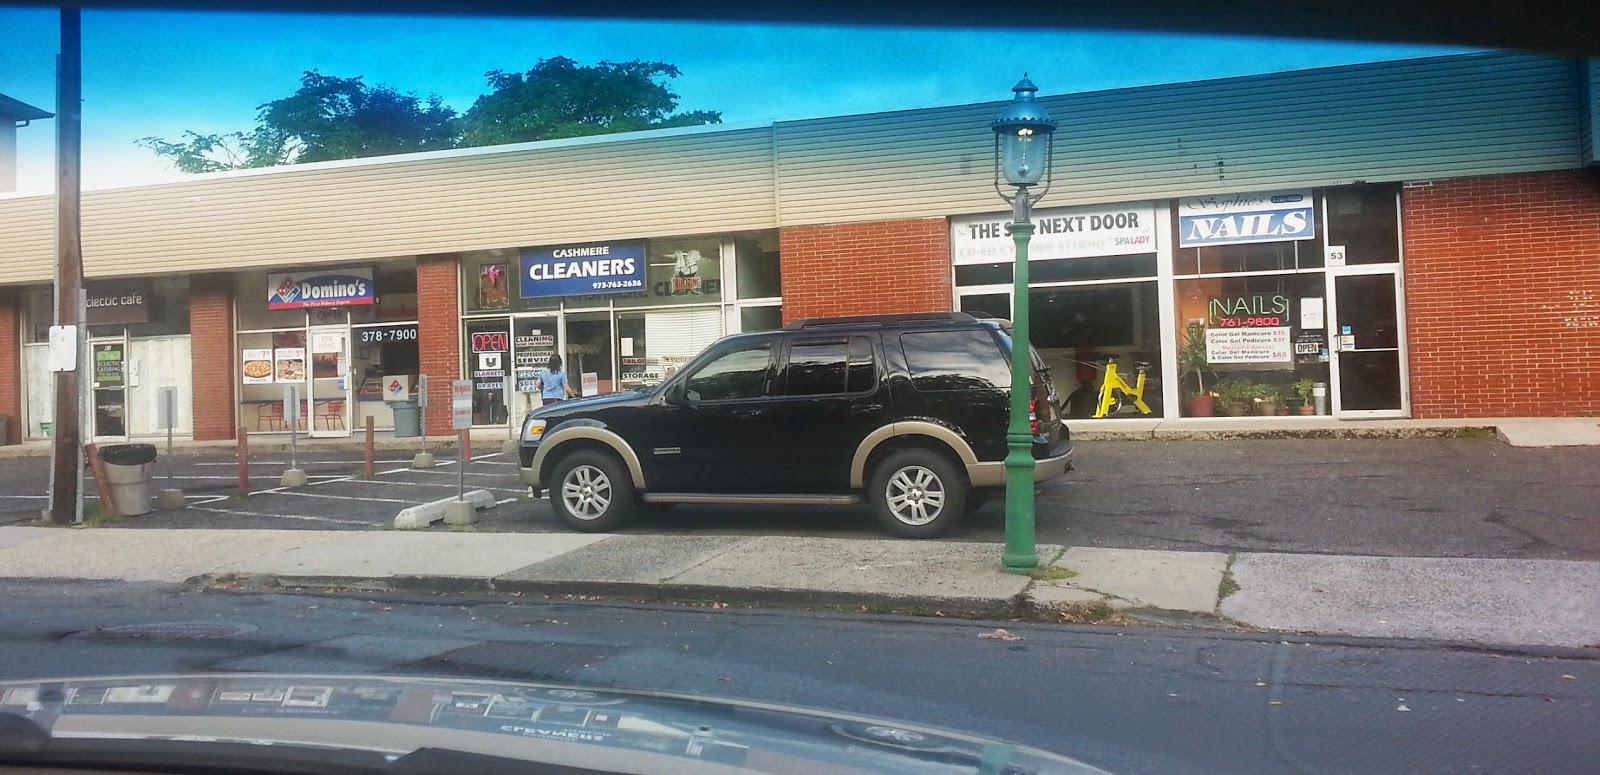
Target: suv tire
{"points": [[591, 492], [918, 493]]}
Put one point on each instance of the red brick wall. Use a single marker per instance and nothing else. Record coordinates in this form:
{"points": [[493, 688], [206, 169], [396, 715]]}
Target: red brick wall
{"points": [[1503, 294], [211, 354], [439, 334], [11, 363], [865, 268]]}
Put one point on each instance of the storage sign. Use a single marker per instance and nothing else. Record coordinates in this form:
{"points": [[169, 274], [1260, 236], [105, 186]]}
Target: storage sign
{"points": [[1235, 219], [577, 270], [1063, 232], [298, 290]]}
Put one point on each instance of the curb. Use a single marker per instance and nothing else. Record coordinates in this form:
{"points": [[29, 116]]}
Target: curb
{"points": [[870, 602], [1222, 434], [909, 608]]}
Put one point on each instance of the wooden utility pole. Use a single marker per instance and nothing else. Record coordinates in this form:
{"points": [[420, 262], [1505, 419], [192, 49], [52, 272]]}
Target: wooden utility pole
{"points": [[68, 471]]}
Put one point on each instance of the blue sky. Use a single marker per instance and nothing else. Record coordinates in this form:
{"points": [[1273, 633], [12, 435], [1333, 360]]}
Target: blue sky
{"points": [[159, 73]]}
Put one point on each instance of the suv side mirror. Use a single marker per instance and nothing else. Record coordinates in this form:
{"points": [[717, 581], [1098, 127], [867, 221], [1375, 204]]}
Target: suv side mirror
{"points": [[675, 394]]}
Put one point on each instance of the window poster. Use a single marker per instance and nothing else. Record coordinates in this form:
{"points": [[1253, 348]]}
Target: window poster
{"points": [[256, 364], [1248, 345], [290, 364], [494, 286]]}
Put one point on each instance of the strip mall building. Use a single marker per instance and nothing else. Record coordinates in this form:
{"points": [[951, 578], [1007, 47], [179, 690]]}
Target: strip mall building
{"points": [[1421, 237]]}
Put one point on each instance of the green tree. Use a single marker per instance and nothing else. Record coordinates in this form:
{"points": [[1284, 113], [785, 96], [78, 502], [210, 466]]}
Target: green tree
{"points": [[328, 117], [559, 98]]}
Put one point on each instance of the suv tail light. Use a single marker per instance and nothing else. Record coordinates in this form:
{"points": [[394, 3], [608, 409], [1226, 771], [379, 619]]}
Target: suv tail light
{"points": [[1033, 417]]}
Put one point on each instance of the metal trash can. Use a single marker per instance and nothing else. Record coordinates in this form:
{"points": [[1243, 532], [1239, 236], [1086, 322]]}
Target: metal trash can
{"points": [[127, 468], [407, 419]]}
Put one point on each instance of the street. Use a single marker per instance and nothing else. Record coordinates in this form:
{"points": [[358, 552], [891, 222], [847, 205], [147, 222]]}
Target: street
{"points": [[1392, 497], [1128, 700]]}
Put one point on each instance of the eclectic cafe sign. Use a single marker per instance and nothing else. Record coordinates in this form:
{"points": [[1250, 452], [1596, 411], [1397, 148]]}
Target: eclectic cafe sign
{"points": [[1063, 232], [335, 288], [1235, 219], [577, 270]]}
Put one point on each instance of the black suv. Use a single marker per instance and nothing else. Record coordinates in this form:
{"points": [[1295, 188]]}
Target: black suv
{"points": [[907, 412]]}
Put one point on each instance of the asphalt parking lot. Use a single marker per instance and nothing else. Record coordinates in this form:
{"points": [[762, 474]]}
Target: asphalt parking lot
{"points": [[1402, 497]]}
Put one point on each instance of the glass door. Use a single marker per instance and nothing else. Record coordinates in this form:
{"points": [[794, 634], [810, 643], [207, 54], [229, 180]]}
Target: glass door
{"points": [[534, 339], [108, 364], [329, 367], [1367, 344]]}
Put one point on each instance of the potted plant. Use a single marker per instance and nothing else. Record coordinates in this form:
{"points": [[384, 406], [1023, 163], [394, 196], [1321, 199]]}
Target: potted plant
{"points": [[1192, 360], [1267, 399], [1303, 388], [1235, 396]]}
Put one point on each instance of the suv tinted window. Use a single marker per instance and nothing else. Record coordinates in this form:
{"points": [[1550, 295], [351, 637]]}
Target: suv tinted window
{"points": [[955, 360], [737, 374], [819, 368], [863, 372]]}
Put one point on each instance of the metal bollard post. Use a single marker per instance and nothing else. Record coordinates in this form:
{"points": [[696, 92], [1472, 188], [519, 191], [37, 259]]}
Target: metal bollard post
{"points": [[370, 457], [244, 461]]}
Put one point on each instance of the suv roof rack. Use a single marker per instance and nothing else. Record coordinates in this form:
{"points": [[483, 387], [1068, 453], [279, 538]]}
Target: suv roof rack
{"points": [[881, 320]]}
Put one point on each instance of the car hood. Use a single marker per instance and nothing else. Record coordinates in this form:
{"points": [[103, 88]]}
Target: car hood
{"points": [[405, 724], [633, 398]]}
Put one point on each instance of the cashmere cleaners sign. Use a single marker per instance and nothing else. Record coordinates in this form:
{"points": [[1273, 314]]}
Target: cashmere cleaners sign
{"points": [[581, 270], [342, 288]]}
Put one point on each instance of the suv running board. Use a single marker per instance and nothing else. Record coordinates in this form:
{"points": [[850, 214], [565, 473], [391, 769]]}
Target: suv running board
{"points": [[749, 500]]}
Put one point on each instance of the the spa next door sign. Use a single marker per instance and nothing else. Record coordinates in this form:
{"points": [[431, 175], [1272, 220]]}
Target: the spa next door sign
{"points": [[1233, 219], [578, 270]]}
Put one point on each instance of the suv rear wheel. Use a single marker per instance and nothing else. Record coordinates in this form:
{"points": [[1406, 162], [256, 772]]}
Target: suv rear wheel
{"points": [[591, 492], [918, 493]]}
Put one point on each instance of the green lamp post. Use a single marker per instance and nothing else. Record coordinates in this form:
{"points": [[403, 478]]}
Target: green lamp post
{"points": [[1022, 147]]}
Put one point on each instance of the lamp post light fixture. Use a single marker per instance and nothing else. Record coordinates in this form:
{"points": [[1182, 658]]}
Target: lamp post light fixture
{"points": [[1022, 147]]}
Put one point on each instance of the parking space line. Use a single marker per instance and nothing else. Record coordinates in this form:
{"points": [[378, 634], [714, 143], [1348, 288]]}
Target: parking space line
{"points": [[504, 501], [345, 497], [457, 473], [303, 517], [330, 481]]}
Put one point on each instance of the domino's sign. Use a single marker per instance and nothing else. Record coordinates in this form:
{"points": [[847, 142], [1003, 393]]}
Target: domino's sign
{"points": [[580, 270], [1235, 219], [342, 288]]}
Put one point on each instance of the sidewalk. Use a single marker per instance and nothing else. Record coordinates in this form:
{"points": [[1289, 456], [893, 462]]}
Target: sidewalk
{"points": [[1520, 602]]}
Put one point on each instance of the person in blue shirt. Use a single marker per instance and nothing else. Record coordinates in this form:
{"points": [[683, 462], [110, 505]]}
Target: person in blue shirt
{"points": [[553, 385]]}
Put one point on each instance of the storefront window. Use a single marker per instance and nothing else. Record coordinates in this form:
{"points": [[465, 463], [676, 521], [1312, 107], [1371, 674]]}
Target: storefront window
{"points": [[39, 313], [760, 318], [1364, 220], [679, 272], [488, 353], [652, 346], [1245, 343], [345, 336], [756, 264], [994, 305], [490, 283], [1079, 331]]}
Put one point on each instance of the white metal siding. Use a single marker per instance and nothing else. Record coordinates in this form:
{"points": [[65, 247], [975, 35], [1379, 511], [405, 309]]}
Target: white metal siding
{"points": [[654, 187], [1432, 118], [1589, 131], [1443, 117]]}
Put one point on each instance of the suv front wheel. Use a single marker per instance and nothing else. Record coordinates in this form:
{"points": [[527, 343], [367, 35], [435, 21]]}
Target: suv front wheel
{"points": [[591, 492], [918, 493]]}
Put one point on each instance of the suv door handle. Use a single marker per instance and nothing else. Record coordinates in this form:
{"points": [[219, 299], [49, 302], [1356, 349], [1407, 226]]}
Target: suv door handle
{"points": [[866, 409], [747, 413]]}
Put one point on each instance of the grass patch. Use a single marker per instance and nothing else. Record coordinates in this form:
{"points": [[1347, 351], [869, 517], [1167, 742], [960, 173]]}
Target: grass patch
{"points": [[1227, 586], [1098, 612], [1053, 573]]}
